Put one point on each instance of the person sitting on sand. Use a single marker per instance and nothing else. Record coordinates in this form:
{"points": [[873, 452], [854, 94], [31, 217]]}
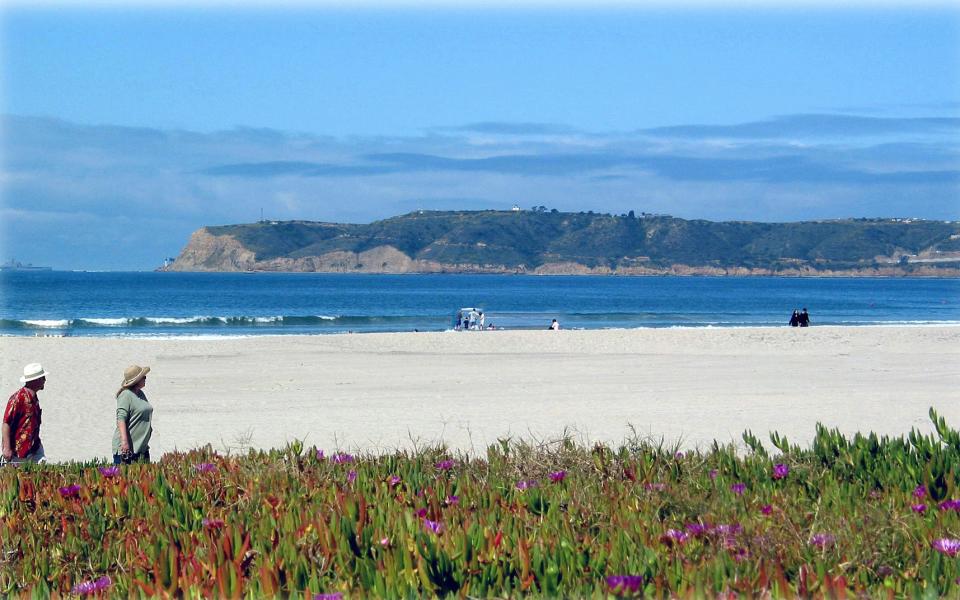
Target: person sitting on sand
{"points": [[554, 326], [795, 318], [21, 419], [131, 438]]}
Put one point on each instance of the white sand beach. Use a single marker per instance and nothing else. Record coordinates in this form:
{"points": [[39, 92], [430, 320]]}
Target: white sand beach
{"points": [[380, 392]]}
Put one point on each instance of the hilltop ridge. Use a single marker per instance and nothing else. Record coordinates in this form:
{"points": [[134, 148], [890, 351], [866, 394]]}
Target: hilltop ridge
{"points": [[551, 242]]}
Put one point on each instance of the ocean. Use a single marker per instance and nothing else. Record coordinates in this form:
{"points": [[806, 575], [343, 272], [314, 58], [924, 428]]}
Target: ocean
{"points": [[244, 304]]}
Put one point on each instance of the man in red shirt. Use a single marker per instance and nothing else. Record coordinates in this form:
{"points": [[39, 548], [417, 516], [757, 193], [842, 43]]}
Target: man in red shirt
{"points": [[21, 419]]}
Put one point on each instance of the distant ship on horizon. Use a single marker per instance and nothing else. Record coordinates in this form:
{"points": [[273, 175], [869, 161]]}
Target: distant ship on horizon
{"points": [[13, 265]]}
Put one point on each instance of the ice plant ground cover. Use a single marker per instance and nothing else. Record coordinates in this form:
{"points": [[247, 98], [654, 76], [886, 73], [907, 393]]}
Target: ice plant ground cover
{"points": [[835, 519]]}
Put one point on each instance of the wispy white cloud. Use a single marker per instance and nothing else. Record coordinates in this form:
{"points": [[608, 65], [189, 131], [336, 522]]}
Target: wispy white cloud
{"points": [[107, 181]]}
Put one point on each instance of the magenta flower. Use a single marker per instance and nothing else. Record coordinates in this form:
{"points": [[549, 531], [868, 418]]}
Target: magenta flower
{"points": [[205, 468], [726, 530], [920, 491], [320, 455], [91, 587], [621, 584], [766, 509], [445, 465], [212, 523], [948, 546], [341, 458], [656, 486], [331, 596], [822, 540], [738, 488], [109, 472], [434, 526], [71, 491], [674, 536], [351, 476], [950, 505], [394, 480], [678, 455], [526, 484], [918, 508], [696, 529], [385, 542], [422, 512], [453, 500], [713, 474], [557, 476], [780, 471]]}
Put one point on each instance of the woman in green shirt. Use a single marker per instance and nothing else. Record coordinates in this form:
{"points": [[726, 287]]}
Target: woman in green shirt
{"points": [[131, 439]]}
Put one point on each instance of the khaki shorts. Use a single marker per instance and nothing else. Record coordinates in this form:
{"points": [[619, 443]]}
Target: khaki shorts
{"points": [[37, 456]]}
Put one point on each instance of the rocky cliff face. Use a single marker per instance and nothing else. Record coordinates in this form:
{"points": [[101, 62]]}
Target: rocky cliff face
{"points": [[224, 253]]}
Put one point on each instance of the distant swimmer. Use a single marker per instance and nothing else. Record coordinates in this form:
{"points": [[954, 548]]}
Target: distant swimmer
{"points": [[554, 326], [795, 318]]}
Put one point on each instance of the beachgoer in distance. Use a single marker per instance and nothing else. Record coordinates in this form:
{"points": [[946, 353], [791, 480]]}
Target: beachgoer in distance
{"points": [[131, 439], [459, 325], [21, 419], [554, 326], [804, 318], [795, 318], [480, 322]]}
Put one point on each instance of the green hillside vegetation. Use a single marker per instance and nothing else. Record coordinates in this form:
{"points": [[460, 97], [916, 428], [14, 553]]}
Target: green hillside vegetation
{"points": [[529, 239]]}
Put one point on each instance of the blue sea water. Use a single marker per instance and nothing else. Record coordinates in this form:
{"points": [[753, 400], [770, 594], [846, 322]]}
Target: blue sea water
{"points": [[232, 304]]}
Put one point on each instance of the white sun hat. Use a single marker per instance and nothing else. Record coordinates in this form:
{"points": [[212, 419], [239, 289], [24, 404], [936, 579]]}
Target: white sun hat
{"points": [[31, 372]]}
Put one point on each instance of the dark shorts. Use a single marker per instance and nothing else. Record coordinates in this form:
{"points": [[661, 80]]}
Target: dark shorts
{"points": [[141, 457]]}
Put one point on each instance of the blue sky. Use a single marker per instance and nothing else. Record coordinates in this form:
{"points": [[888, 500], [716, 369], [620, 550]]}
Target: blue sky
{"points": [[128, 128]]}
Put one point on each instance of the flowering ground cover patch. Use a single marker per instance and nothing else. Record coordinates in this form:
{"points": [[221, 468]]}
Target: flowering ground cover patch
{"points": [[839, 518]]}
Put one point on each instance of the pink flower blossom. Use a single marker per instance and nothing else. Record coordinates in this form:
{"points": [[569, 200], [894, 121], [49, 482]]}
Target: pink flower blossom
{"points": [[920, 491], [766, 509], [433, 526], [70, 491], [351, 476], [738, 488], [674, 536], [205, 468], [780, 471], [320, 455], [948, 546], [557, 476], [526, 484], [109, 472], [394, 480], [822, 540], [342, 458], [623, 584], [918, 508], [92, 587], [453, 500], [212, 523]]}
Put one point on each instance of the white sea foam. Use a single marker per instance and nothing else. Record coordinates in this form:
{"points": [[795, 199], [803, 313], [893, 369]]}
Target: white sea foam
{"points": [[178, 320], [48, 323], [106, 322]]}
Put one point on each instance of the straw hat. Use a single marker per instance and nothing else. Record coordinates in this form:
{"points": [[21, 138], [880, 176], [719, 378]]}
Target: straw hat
{"points": [[31, 372], [133, 374]]}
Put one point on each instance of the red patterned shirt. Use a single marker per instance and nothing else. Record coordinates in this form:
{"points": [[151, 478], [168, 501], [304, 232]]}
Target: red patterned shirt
{"points": [[23, 417]]}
